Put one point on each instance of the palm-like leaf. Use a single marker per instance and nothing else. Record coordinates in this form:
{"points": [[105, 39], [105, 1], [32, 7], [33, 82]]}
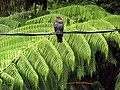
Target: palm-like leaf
{"points": [[102, 24], [117, 85], [10, 22], [50, 18], [82, 13], [51, 55]]}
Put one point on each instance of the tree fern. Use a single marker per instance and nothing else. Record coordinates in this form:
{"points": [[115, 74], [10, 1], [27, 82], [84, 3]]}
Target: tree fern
{"points": [[117, 84], [18, 81], [8, 80], [82, 13], [4, 28], [51, 55], [102, 24], [65, 51], [114, 20], [1, 82], [50, 19], [96, 41], [97, 12], [10, 22], [27, 70], [37, 61], [76, 12]]}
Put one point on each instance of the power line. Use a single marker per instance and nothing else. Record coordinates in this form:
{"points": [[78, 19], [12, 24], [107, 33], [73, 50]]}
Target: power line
{"points": [[54, 33]]}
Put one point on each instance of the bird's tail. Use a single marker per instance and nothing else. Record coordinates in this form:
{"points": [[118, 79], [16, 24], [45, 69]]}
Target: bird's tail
{"points": [[59, 38]]}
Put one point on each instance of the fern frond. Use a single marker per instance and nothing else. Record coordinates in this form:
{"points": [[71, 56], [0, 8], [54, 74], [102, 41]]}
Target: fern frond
{"points": [[34, 28], [50, 18], [8, 80], [76, 12], [91, 68], [96, 41], [51, 55], [4, 28], [18, 81], [1, 82], [82, 13], [80, 69], [37, 61], [65, 51], [27, 70], [97, 12], [114, 20], [117, 84], [9, 22], [102, 24]]}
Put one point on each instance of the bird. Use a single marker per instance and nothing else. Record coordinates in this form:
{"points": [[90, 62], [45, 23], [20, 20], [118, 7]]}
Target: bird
{"points": [[59, 27]]}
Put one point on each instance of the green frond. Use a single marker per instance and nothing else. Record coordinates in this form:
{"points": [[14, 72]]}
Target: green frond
{"points": [[20, 15], [111, 59], [114, 20], [80, 69], [96, 41], [1, 82], [97, 12], [65, 51], [4, 28], [10, 22], [91, 68], [27, 70], [105, 25], [75, 12], [117, 84], [51, 55], [82, 13], [37, 61], [64, 78], [50, 18], [13, 72], [8, 80], [34, 28], [79, 46]]}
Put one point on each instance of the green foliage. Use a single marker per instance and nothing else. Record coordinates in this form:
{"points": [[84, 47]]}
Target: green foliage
{"points": [[4, 28], [27, 70], [37, 61], [82, 13], [114, 20], [50, 19], [8, 80], [10, 22], [117, 85], [102, 24], [40, 62], [51, 55]]}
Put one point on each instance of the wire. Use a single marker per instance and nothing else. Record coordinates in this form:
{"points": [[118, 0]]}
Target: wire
{"points": [[54, 33]]}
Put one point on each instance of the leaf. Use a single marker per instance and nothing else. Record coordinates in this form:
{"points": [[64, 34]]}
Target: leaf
{"points": [[27, 70], [4, 28], [117, 84], [79, 46], [114, 20], [8, 80], [9, 22], [96, 41], [105, 25], [13, 72], [51, 55], [50, 18], [65, 51], [37, 61]]}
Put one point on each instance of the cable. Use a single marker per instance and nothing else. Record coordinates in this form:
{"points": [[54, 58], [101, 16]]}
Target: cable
{"points": [[54, 33]]}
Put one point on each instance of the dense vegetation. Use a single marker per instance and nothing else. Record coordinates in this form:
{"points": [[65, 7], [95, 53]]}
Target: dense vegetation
{"points": [[40, 63]]}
